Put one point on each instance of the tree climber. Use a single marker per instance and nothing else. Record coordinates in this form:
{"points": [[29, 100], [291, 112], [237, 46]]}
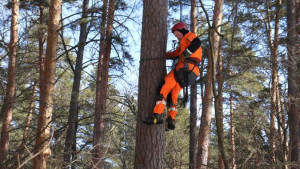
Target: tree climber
{"points": [[189, 55]]}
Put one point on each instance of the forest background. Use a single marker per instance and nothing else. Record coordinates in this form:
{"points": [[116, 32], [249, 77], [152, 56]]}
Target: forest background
{"points": [[72, 75]]}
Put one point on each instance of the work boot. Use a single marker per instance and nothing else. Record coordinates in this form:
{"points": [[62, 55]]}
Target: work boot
{"points": [[155, 119], [170, 123]]}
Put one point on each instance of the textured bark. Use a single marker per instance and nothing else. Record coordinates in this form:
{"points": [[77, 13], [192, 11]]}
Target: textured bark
{"points": [[232, 133], [99, 126], [282, 130], [47, 86], [102, 86], [220, 102], [293, 75], [193, 101], [150, 139], [7, 108], [204, 132], [41, 47], [273, 45], [215, 47], [73, 115]]}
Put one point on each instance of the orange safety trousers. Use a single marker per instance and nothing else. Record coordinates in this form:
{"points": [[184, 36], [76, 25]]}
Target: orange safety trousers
{"points": [[171, 85]]}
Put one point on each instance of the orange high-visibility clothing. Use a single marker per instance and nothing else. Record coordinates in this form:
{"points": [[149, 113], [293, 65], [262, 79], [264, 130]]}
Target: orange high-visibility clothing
{"points": [[171, 84]]}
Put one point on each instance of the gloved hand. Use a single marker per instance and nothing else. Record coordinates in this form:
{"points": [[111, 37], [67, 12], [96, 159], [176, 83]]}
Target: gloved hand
{"points": [[181, 57]]}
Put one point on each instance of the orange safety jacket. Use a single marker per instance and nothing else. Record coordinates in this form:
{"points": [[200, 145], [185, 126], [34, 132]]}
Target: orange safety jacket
{"points": [[196, 57]]}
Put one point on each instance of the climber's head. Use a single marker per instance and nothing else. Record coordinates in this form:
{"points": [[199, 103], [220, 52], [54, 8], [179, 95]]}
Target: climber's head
{"points": [[179, 30]]}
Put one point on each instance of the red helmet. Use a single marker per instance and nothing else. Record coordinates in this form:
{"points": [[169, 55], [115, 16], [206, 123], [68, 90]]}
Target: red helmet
{"points": [[178, 26]]}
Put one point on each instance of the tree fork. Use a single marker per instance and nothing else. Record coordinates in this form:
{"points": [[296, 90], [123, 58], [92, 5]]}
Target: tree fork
{"points": [[219, 133]]}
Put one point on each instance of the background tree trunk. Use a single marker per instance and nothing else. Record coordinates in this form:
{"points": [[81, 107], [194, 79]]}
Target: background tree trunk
{"points": [[204, 132], [293, 75], [232, 131], [102, 85], [48, 76], [99, 125], [73, 115], [273, 45], [193, 101], [220, 101], [150, 139], [7, 108], [41, 46], [215, 47]]}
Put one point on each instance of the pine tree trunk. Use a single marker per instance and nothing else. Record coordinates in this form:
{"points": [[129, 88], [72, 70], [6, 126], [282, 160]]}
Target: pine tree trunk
{"points": [[102, 86], [193, 101], [150, 139], [7, 108], [98, 121], [281, 129], [220, 102], [232, 121], [47, 86], [98, 136], [41, 46], [204, 132], [232, 132], [215, 40], [293, 75], [273, 45], [73, 118]]}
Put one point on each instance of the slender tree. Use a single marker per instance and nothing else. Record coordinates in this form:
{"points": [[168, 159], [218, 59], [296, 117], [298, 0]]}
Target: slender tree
{"points": [[41, 45], [293, 75], [150, 139], [232, 131], [220, 73], [231, 103], [70, 141], [204, 131], [193, 102], [215, 47], [99, 116], [102, 86], [42, 149], [7, 108], [273, 45]]}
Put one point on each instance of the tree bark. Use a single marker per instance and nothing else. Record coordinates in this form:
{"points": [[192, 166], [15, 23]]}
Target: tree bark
{"points": [[215, 47], [232, 115], [41, 47], [204, 132], [47, 87], [150, 139], [273, 45], [102, 86], [232, 132], [193, 102], [99, 127], [7, 108], [73, 115], [282, 129], [220, 102], [293, 75]]}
